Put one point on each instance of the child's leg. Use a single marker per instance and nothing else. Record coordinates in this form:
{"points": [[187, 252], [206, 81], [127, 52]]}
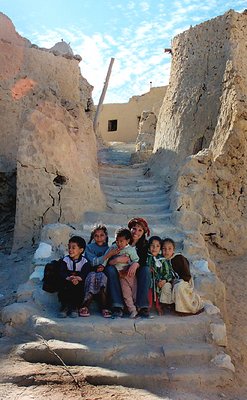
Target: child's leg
{"points": [[103, 303], [103, 298], [88, 300], [128, 285], [75, 299]]}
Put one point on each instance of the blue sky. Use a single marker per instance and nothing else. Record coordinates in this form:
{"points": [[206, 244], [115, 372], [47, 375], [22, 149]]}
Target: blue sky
{"points": [[134, 32]]}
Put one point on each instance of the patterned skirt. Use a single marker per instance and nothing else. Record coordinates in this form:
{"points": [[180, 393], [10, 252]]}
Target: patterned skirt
{"points": [[93, 283]]}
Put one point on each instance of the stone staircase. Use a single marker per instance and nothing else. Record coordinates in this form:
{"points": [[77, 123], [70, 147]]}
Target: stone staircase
{"points": [[144, 353], [130, 192]]}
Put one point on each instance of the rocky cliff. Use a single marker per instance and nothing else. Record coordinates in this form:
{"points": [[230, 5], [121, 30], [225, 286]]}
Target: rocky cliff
{"points": [[201, 131], [46, 133]]}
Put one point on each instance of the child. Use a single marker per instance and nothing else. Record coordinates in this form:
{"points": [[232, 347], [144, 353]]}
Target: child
{"points": [[96, 281], [187, 302], [127, 271], [72, 272], [161, 275]]}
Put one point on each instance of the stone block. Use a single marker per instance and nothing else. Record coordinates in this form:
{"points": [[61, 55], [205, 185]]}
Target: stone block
{"points": [[218, 332]]}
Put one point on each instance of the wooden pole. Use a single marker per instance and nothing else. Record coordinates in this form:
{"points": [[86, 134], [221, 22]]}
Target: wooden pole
{"points": [[95, 122]]}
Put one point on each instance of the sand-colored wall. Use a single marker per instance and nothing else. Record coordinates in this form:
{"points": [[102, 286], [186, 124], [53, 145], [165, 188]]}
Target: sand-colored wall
{"points": [[46, 134], [201, 133], [128, 115]]}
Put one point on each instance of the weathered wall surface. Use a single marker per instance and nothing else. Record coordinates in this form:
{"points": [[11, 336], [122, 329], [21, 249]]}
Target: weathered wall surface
{"points": [[46, 130], [205, 109], [146, 137]]}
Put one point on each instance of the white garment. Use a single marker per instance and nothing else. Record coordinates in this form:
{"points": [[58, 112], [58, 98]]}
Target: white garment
{"points": [[185, 298]]}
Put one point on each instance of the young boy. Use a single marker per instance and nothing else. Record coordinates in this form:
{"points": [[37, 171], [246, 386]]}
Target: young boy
{"points": [[127, 271], [73, 271]]}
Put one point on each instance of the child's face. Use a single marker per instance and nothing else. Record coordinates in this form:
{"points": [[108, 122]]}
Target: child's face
{"points": [[74, 250], [168, 250], [155, 248], [121, 242], [100, 237]]}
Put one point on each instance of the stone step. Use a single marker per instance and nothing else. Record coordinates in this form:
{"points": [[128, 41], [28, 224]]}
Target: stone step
{"points": [[113, 355], [169, 329], [159, 377], [118, 170], [126, 180], [122, 374], [147, 188], [110, 218], [113, 191], [144, 198], [134, 207], [116, 157]]}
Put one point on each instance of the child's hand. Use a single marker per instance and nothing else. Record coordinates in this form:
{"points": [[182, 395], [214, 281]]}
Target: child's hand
{"points": [[132, 269], [113, 252], [74, 279], [100, 268], [160, 284]]}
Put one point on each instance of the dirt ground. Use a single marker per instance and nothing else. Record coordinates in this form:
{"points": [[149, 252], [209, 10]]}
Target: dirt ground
{"points": [[22, 380]]}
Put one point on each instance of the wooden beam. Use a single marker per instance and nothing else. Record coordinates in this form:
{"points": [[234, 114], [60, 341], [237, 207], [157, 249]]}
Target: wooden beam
{"points": [[101, 100]]}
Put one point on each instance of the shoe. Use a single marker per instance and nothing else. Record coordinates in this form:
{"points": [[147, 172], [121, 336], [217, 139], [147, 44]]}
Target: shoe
{"points": [[106, 313], [72, 312], [83, 312], [117, 313], [133, 314], [144, 313], [62, 314]]}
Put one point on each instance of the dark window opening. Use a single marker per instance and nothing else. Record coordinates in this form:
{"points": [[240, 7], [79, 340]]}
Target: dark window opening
{"points": [[112, 125]]}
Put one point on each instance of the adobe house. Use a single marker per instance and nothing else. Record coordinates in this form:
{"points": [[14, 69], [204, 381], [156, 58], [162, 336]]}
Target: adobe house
{"points": [[119, 121]]}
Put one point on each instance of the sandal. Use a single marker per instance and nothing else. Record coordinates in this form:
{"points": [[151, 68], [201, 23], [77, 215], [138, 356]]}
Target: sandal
{"points": [[106, 313], [83, 312]]}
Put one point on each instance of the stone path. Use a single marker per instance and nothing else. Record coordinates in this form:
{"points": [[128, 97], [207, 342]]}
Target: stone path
{"points": [[142, 353]]}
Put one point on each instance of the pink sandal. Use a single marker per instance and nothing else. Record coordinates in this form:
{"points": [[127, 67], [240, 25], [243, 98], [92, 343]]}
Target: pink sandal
{"points": [[83, 312], [106, 313]]}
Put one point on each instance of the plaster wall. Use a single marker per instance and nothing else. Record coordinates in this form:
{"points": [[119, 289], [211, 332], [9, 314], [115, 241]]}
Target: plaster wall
{"points": [[128, 115]]}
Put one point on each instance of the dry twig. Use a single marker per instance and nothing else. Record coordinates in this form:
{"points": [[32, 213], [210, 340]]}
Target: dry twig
{"points": [[64, 366]]}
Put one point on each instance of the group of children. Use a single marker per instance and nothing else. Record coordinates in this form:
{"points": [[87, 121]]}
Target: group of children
{"points": [[82, 277]]}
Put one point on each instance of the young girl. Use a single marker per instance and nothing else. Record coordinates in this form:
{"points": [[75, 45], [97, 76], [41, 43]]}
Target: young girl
{"points": [[187, 301], [73, 271], [161, 276], [96, 281]]}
